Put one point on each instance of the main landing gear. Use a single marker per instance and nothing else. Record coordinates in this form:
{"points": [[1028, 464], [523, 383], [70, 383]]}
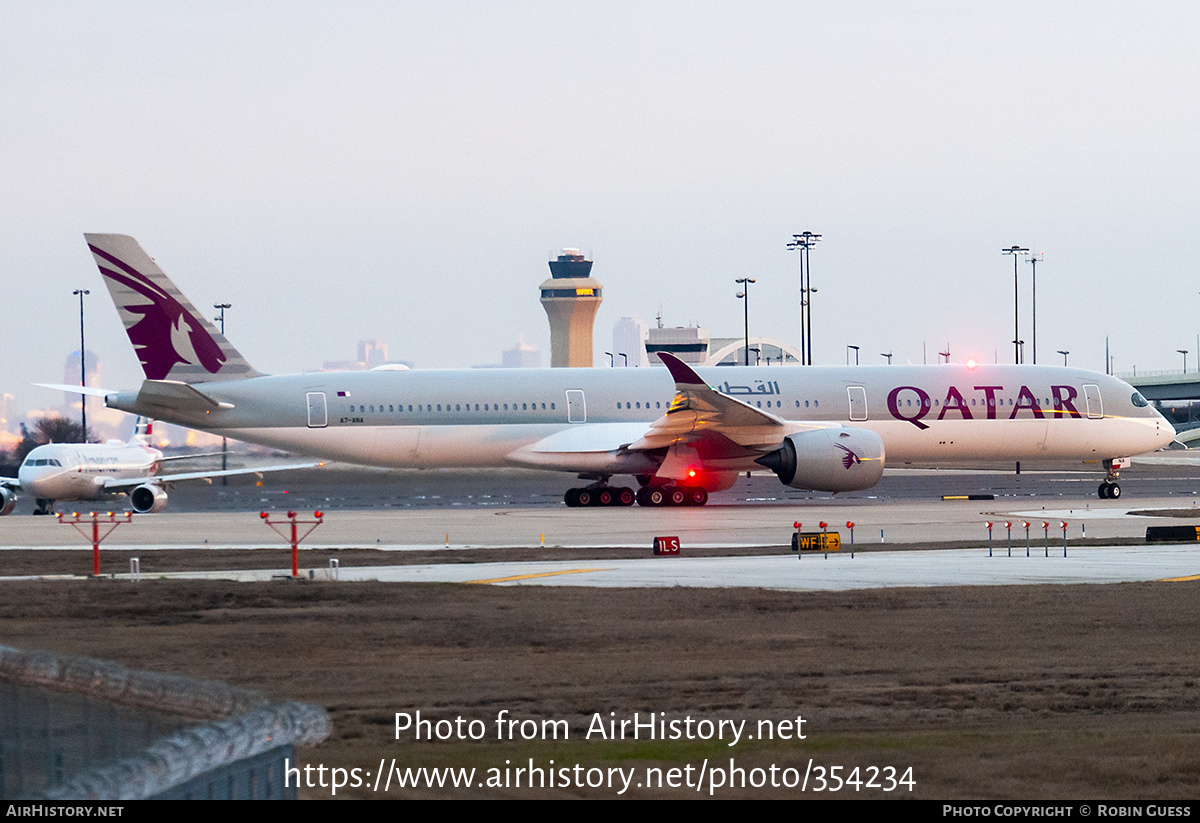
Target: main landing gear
{"points": [[603, 495], [1110, 489], [599, 495]]}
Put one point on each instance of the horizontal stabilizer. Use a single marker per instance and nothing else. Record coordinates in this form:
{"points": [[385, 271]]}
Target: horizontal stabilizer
{"points": [[88, 390], [173, 394]]}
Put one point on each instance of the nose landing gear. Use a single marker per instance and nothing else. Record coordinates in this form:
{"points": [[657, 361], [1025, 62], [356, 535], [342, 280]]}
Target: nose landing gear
{"points": [[1110, 489]]}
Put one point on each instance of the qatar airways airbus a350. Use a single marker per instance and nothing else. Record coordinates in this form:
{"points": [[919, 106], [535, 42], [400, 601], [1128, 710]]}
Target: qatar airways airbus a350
{"points": [[681, 431]]}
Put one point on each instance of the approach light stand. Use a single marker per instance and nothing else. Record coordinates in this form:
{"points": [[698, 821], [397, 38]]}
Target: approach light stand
{"points": [[224, 441], [1064, 354], [848, 348], [1016, 251], [888, 355], [82, 367], [1184, 353], [744, 296]]}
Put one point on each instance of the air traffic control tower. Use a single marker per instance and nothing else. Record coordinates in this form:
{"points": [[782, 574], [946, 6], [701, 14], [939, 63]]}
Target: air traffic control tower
{"points": [[571, 298]]}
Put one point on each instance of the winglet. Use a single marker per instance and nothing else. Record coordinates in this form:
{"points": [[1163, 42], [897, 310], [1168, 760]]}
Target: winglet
{"points": [[685, 376]]}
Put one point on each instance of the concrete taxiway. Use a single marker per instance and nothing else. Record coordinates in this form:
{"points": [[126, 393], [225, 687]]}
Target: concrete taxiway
{"points": [[836, 571], [883, 530], [877, 522]]}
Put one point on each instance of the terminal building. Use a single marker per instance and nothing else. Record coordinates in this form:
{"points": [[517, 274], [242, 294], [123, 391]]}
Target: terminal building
{"points": [[693, 344]]}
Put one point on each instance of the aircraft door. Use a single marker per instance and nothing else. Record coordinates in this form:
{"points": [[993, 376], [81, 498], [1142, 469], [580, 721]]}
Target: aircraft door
{"points": [[858, 402], [318, 413], [1095, 406], [576, 406]]}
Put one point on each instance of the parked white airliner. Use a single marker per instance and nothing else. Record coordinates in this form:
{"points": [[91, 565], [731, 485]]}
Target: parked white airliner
{"points": [[96, 471], [824, 428]]}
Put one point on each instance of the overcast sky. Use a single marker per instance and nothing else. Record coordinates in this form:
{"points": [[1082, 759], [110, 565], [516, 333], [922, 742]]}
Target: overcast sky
{"points": [[402, 171]]}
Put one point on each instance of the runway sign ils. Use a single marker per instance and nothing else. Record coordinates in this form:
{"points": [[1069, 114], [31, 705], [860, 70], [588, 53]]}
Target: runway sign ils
{"points": [[666, 546]]}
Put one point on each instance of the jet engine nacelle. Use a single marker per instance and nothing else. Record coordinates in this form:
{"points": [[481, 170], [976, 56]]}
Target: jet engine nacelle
{"points": [[828, 460], [148, 499], [8, 501]]}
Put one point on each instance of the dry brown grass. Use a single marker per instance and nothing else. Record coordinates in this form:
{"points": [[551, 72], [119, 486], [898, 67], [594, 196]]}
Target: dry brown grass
{"points": [[1040, 692]]}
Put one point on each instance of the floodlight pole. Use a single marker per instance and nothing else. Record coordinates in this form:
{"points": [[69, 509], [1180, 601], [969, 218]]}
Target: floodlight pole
{"points": [[224, 441], [744, 295], [82, 367], [1033, 261], [804, 242], [1016, 251]]}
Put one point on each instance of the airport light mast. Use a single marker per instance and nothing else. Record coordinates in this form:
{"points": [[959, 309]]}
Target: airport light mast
{"points": [[1034, 259], [224, 441], [744, 296], [1016, 251], [803, 242], [82, 367]]}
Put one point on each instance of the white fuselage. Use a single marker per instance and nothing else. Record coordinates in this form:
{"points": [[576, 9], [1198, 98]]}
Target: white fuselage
{"points": [[951, 414], [81, 471]]}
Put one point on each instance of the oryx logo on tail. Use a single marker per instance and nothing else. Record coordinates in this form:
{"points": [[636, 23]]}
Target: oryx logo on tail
{"points": [[172, 340]]}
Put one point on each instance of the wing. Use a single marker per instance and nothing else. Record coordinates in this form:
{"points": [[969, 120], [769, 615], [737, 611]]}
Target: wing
{"points": [[700, 427], [717, 425], [129, 483], [10, 483]]}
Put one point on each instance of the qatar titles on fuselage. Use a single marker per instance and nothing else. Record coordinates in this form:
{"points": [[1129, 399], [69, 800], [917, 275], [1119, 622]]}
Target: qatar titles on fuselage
{"points": [[678, 426]]}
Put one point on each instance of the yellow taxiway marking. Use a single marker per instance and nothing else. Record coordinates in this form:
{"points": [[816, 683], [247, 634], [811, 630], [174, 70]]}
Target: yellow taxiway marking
{"points": [[542, 574], [1181, 579]]}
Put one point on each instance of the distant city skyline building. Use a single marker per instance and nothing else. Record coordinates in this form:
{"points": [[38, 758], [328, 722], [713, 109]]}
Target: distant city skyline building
{"points": [[629, 339], [521, 356], [571, 298], [372, 354]]}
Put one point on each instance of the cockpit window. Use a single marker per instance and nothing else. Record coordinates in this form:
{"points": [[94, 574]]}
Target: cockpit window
{"points": [[1138, 400]]}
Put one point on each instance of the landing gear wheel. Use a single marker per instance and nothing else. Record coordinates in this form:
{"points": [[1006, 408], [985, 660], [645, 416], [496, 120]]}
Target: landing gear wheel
{"points": [[1114, 491], [604, 497], [698, 497], [651, 496], [1103, 491], [571, 498], [585, 497], [678, 497], [624, 497]]}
